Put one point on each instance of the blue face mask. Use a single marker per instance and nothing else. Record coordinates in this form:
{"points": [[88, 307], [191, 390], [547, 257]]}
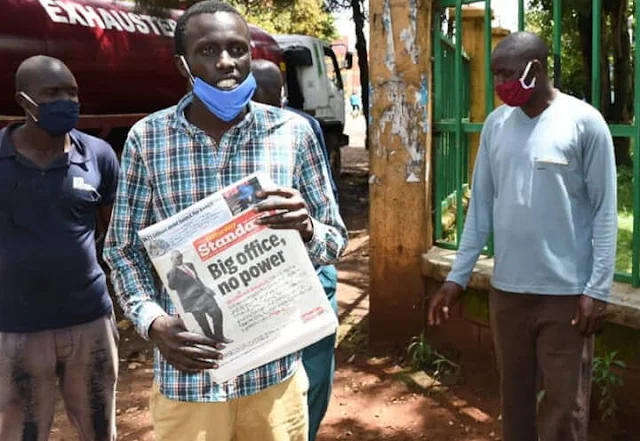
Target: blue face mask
{"points": [[58, 117], [225, 104]]}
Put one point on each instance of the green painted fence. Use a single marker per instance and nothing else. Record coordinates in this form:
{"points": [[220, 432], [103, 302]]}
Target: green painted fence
{"points": [[452, 125]]}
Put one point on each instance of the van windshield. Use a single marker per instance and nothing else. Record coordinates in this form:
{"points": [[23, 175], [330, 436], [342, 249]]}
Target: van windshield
{"points": [[333, 68]]}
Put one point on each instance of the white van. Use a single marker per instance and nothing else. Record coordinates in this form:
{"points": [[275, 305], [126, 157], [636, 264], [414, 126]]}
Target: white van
{"points": [[314, 85]]}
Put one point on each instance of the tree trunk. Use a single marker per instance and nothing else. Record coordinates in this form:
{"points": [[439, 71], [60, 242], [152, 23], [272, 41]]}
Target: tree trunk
{"points": [[622, 107], [363, 63], [618, 111], [585, 30]]}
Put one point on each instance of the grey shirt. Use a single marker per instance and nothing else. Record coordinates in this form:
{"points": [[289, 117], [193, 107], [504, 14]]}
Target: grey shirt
{"points": [[547, 187]]}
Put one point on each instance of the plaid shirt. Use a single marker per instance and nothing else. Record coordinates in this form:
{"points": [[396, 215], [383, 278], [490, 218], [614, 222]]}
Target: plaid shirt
{"points": [[168, 165]]}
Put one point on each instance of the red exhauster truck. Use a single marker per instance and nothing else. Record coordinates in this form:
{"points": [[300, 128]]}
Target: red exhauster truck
{"points": [[122, 58]]}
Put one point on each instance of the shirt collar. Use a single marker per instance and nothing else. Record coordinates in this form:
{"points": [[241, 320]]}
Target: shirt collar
{"points": [[180, 120], [78, 153]]}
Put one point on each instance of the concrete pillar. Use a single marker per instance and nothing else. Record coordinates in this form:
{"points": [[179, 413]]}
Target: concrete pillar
{"points": [[400, 166]]}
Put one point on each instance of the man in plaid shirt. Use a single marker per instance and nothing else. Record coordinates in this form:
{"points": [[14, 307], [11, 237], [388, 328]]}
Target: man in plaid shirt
{"points": [[174, 158]]}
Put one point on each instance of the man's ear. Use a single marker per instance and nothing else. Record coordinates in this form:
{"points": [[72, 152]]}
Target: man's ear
{"points": [[22, 101], [537, 67], [30, 108], [183, 68]]}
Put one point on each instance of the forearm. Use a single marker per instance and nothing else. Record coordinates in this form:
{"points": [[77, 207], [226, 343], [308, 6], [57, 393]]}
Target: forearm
{"points": [[605, 229], [134, 287], [601, 183], [474, 238]]}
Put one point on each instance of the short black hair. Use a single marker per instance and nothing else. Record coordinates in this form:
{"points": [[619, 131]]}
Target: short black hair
{"points": [[525, 46], [204, 7], [34, 69]]}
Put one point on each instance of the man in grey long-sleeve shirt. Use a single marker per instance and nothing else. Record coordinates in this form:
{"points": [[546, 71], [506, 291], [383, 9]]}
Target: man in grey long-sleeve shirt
{"points": [[545, 182]]}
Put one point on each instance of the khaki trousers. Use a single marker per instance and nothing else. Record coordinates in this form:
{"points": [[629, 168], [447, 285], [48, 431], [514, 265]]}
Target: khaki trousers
{"points": [[278, 413]]}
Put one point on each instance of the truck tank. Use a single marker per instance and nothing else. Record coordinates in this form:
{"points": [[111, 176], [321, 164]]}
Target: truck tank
{"points": [[122, 57]]}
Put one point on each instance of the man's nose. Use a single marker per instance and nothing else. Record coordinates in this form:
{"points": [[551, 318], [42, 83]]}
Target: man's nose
{"points": [[225, 61]]}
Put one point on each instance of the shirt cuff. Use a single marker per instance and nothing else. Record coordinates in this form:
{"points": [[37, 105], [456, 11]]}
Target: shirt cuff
{"points": [[457, 280], [147, 313], [597, 294], [315, 245]]}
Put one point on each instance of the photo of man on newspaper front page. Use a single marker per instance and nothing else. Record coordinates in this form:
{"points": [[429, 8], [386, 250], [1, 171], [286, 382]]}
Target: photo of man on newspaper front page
{"points": [[238, 282]]}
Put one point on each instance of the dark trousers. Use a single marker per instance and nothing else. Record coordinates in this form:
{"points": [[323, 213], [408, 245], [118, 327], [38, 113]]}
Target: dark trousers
{"points": [[81, 361], [319, 361], [212, 310], [536, 343]]}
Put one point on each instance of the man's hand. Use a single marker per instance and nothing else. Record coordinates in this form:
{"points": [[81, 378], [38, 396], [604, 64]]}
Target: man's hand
{"points": [[178, 346], [590, 315], [441, 301], [293, 215]]}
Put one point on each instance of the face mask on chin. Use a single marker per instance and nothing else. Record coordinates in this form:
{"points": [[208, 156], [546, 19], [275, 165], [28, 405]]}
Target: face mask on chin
{"points": [[225, 104], [57, 118], [517, 93]]}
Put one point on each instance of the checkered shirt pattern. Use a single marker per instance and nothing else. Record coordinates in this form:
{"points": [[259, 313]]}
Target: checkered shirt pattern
{"points": [[167, 165]]}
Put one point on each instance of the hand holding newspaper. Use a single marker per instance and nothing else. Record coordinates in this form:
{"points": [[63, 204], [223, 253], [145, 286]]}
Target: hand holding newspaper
{"points": [[239, 282]]}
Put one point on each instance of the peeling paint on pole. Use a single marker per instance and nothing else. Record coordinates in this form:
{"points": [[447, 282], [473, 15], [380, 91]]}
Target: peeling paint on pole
{"points": [[424, 99], [403, 110], [404, 106], [390, 57], [408, 35], [400, 202]]}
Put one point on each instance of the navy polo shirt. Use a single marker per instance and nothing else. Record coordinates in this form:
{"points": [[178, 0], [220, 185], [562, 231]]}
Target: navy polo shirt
{"points": [[49, 272]]}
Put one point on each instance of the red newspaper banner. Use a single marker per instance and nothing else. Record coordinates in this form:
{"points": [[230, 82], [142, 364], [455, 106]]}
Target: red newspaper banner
{"points": [[228, 235]]}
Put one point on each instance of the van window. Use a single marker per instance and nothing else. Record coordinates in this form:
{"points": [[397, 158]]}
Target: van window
{"points": [[333, 68]]}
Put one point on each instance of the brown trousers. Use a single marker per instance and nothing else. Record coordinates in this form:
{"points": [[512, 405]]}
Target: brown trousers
{"points": [[537, 347], [82, 360]]}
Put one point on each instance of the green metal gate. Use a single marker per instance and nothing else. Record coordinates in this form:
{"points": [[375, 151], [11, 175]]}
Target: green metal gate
{"points": [[452, 125]]}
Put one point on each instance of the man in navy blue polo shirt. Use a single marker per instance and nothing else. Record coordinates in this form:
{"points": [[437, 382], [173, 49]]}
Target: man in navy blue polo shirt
{"points": [[56, 317], [319, 358]]}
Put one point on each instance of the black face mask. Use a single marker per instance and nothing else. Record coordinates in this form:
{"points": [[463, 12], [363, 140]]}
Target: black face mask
{"points": [[58, 117]]}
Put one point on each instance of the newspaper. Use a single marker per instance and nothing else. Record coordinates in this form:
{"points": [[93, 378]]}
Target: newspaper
{"points": [[233, 279]]}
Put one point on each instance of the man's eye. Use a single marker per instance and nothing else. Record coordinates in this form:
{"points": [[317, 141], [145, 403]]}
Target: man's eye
{"points": [[208, 51], [239, 50]]}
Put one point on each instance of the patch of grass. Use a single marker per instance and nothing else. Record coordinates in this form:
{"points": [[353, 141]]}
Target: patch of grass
{"points": [[625, 220], [423, 357]]}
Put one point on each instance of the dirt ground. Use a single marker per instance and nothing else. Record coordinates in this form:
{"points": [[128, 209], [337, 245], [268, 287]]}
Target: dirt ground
{"points": [[371, 400]]}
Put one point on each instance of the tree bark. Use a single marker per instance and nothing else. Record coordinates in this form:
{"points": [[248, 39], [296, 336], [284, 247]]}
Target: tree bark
{"points": [[363, 60], [619, 110], [622, 107]]}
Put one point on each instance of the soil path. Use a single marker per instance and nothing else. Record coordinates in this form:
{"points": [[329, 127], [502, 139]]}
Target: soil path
{"points": [[371, 401]]}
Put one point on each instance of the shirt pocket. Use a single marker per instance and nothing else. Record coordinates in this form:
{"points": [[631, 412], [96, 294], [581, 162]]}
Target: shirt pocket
{"points": [[553, 163], [557, 172], [79, 200]]}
